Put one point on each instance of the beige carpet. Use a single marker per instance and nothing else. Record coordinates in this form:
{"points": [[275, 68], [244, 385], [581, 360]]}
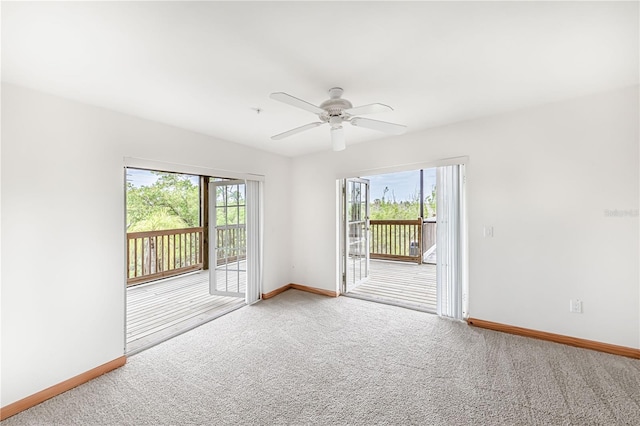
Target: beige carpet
{"points": [[301, 359]]}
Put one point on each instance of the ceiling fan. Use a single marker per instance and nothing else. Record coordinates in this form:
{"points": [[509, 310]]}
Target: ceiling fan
{"points": [[336, 111]]}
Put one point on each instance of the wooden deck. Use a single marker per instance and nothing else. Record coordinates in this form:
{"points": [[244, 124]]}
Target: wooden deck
{"points": [[403, 283], [162, 309]]}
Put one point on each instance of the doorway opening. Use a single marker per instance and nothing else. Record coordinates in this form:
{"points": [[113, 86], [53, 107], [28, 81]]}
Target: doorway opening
{"points": [[186, 253], [403, 236]]}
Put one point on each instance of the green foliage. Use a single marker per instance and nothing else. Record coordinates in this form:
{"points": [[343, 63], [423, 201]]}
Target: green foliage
{"points": [[172, 202], [384, 209], [381, 210], [158, 221], [234, 198], [430, 204]]}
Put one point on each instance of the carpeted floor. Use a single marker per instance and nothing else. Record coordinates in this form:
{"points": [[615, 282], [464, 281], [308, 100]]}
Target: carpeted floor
{"points": [[300, 358]]}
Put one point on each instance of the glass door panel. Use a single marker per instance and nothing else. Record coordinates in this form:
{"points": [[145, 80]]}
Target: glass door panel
{"points": [[356, 202], [227, 238]]}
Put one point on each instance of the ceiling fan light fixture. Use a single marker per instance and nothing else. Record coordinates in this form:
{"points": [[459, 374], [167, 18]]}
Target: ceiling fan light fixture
{"points": [[337, 138], [335, 121]]}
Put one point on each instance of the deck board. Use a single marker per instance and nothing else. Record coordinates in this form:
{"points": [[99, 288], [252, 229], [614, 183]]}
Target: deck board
{"points": [[400, 282], [161, 309]]}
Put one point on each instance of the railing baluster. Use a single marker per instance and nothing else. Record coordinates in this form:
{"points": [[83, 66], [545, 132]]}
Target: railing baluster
{"points": [[394, 239], [142, 253], [160, 249], [196, 245], [135, 256], [396, 247], [175, 248], [163, 257], [147, 252], [187, 236], [172, 259]]}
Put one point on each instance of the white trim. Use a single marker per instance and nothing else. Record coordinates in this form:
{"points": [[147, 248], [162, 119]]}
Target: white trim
{"points": [[141, 163], [405, 167]]}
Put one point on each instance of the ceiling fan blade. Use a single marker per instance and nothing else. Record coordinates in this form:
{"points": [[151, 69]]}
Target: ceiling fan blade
{"points": [[298, 103], [368, 109], [296, 130], [382, 126]]}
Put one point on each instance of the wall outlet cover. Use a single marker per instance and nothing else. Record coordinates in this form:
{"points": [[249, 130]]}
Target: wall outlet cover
{"points": [[575, 306]]}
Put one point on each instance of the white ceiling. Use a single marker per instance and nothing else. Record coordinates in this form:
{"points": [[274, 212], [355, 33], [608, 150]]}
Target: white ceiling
{"points": [[205, 66]]}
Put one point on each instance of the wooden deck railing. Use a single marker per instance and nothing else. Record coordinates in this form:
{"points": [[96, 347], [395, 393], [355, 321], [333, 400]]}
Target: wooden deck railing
{"points": [[396, 240], [160, 254]]}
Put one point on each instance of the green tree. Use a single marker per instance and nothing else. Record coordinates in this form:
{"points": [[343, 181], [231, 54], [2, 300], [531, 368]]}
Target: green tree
{"points": [[158, 220], [172, 201], [385, 209], [430, 203], [234, 198], [399, 210]]}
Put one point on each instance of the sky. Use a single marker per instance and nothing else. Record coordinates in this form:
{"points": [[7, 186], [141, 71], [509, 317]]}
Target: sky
{"points": [[405, 185]]}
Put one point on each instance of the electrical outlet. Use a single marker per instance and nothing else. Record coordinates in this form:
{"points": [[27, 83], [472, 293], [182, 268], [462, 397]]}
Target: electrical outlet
{"points": [[575, 306], [488, 231]]}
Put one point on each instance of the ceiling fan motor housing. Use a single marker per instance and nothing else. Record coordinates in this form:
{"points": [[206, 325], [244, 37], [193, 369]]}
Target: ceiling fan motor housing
{"points": [[335, 105]]}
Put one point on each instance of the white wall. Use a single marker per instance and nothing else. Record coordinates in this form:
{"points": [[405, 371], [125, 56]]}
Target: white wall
{"points": [[543, 178], [63, 228]]}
